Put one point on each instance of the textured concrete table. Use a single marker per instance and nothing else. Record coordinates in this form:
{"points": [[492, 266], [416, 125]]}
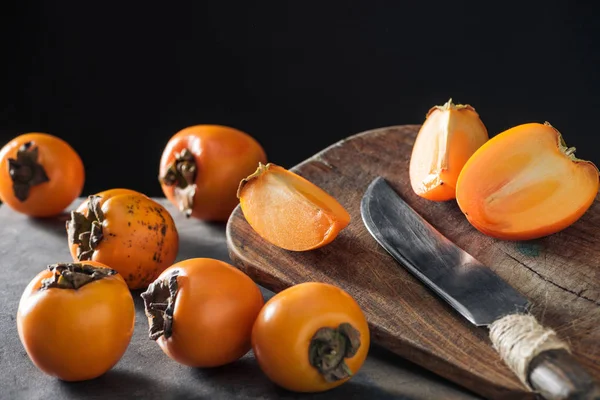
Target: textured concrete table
{"points": [[27, 246]]}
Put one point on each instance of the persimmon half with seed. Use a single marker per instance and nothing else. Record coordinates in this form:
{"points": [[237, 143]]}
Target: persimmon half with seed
{"points": [[76, 320], [127, 231], [201, 167], [40, 174], [289, 211], [448, 137], [525, 183]]}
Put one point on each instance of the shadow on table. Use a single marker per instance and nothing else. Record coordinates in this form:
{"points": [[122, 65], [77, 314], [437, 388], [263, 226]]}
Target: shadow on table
{"points": [[207, 242], [116, 384], [54, 225], [244, 379]]}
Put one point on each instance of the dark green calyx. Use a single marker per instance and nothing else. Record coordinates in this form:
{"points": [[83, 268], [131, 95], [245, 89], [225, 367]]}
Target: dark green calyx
{"points": [[159, 304], [86, 230], [328, 349], [182, 174], [25, 171], [74, 275]]}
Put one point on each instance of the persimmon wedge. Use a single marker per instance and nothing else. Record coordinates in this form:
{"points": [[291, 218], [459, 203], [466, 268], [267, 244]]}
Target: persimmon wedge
{"points": [[525, 183], [289, 211], [449, 136]]}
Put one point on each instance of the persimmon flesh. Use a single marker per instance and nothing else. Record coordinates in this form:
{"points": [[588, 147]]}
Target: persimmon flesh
{"points": [[525, 183], [289, 211], [448, 137]]}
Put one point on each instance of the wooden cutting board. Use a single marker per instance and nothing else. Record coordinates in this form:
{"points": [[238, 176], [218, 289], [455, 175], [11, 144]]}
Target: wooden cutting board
{"points": [[560, 274]]}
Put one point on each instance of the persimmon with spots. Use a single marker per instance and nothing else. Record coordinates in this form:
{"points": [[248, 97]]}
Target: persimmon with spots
{"points": [[311, 337], [40, 174], [127, 231], [76, 320], [526, 183], [105, 195], [289, 211], [201, 167], [448, 137], [201, 312]]}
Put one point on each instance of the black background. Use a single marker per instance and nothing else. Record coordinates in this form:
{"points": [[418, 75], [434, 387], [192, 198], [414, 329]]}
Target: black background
{"points": [[117, 80]]}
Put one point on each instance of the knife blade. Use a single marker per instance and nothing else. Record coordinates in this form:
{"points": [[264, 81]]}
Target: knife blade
{"points": [[471, 288], [474, 290]]}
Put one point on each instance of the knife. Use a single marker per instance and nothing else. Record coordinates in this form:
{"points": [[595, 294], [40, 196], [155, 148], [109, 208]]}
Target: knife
{"points": [[540, 359]]}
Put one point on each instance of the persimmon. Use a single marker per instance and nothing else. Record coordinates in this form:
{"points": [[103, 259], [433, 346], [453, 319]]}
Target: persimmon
{"points": [[40, 174], [201, 167], [127, 231], [448, 137], [525, 183], [288, 210], [201, 311], [311, 337], [76, 320], [104, 196]]}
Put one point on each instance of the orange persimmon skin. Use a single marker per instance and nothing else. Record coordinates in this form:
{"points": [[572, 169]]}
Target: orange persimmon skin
{"points": [[285, 326], [223, 157], [139, 236], [107, 194], [522, 184], [76, 334], [446, 140], [289, 211], [62, 165], [215, 308]]}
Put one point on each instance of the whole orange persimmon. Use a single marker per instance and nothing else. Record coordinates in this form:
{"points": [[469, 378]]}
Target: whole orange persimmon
{"points": [[202, 166], [76, 320], [126, 230], [311, 337], [40, 174], [201, 312]]}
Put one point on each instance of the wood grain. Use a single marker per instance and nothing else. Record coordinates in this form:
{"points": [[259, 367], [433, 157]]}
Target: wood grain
{"points": [[560, 274]]}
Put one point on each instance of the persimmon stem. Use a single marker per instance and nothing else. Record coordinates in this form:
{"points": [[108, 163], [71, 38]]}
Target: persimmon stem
{"points": [[159, 304], [261, 169], [25, 171], [449, 105], [328, 349], [74, 275], [182, 174], [86, 230], [570, 151]]}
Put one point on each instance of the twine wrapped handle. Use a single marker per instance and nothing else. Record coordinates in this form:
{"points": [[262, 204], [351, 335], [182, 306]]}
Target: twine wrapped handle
{"points": [[541, 360]]}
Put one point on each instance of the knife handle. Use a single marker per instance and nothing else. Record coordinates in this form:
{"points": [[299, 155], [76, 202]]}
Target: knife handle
{"points": [[555, 374], [541, 360]]}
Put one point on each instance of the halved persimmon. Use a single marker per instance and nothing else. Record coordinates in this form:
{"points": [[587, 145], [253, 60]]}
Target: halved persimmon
{"points": [[289, 211], [525, 183], [448, 137]]}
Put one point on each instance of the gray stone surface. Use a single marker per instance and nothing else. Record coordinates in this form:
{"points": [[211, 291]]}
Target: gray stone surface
{"points": [[27, 246]]}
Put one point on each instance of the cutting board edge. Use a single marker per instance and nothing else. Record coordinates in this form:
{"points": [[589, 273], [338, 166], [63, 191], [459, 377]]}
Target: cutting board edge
{"points": [[319, 155]]}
